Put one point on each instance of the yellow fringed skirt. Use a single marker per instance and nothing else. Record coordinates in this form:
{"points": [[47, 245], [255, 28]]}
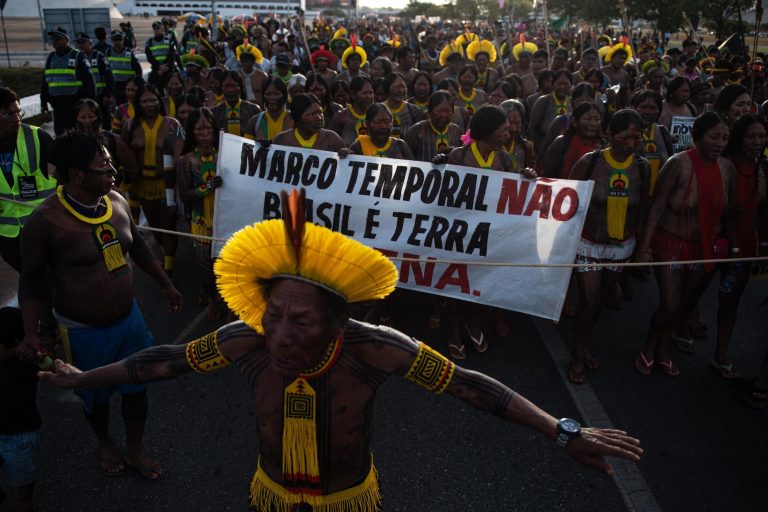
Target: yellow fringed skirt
{"points": [[148, 189], [268, 495]]}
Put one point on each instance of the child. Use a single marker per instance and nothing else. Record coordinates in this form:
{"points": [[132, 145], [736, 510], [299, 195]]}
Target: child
{"points": [[19, 418]]}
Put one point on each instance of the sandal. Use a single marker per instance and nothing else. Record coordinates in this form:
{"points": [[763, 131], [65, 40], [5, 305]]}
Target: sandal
{"points": [[643, 365], [479, 344], [725, 370], [684, 344], [152, 471], [754, 397], [669, 368], [457, 351]]}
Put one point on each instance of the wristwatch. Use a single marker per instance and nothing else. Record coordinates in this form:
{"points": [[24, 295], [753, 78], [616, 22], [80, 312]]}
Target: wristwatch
{"points": [[567, 429]]}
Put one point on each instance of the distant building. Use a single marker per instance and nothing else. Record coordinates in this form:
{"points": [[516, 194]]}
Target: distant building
{"points": [[223, 7]]}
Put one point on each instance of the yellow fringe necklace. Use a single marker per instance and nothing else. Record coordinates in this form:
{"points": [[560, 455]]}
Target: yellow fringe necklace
{"points": [[150, 146], [618, 195], [305, 143]]}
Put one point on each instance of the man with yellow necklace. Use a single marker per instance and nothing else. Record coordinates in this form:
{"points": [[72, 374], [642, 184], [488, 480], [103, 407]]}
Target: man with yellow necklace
{"points": [[468, 96], [315, 373], [379, 141], [234, 113], [350, 122], [404, 115], [549, 106], [83, 234], [422, 90], [614, 221], [275, 119], [436, 134], [308, 131]]}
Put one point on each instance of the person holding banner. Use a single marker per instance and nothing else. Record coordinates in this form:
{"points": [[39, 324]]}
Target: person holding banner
{"points": [[197, 183], [314, 373], [519, 148], [234, 112], [274, 119], [437, 134], [308, 131], [614, 218], [379, 141], [693, 216], [745, 151], [351, 121]]}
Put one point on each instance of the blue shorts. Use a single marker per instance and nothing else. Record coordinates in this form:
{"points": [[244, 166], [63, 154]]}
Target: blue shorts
{"points": [[93, 347], [18, 458]]}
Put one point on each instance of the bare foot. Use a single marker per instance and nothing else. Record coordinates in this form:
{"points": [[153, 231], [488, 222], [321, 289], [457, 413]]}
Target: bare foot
{"points": [[148, 468], [112, 464]]}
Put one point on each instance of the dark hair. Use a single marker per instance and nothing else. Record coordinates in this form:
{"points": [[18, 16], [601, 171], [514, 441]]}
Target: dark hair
{"points": [[385, 62], [545, 75], [486, 120], [726, 97], [589, 51], [704, 123], [278, 84], [560, 72], [425, 75], [189, 140], [578, 113], [439, 97], [643, 94], [582, 89], [92, 106], [75, 150], [137, 99], [675, 84], [623, 119], [738, 132], [446, 83], [301, 103], [540, 54], [199, 93], [509, 90], [235, 77], [374, 109], [314, 77], [167, 78], [358, 82], [13, 327], [390, 79], [467, 67], [7, 96], [136, 80], [340, 84], [596, 73], [561, 51], [402, 52]]}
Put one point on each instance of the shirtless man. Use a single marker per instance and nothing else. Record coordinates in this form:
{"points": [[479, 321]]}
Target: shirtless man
{"points": [[615, 68], [308, 131], [589, 61], [350, 122], [324, 62], [406, 59], [453, 64], [524, 70], [194, 65], [83, 234], [253, 78], [311, 353]]}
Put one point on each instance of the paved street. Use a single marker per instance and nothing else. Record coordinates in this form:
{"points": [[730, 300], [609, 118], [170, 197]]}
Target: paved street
{"points": [[705, 451]]}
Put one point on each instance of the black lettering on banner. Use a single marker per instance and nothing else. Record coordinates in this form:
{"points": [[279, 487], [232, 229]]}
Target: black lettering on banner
{"points": [[250, 163], [431, 186], [448, 190], [293, 171], [415, 180], [417, 228], [368, 179], [277, 169], [322, 215], [479, 239], [434, 237], [480, 202], [307, 177], [401, 217], [390, 185], [327, 173], [271, 206], [354, 169], [371, 223], [466, 194], [455, 239]]}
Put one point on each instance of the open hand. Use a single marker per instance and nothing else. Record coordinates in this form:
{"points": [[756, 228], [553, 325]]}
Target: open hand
{"points": [[529, 173], [343, 152], [594, 444], [65, 376]]}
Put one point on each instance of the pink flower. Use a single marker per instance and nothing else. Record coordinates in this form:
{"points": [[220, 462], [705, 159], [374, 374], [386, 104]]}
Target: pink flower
{"points": [[467, 139]]}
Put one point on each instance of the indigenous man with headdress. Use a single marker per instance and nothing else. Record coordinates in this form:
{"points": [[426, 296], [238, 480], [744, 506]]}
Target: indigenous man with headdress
{"points": [[206, 48], [249, 57], [338, 45], [314, 372], [352, 60], [308, 131], [483, 53], [523, 53], [615, 58], [323, 62], [194, 65], [451, 59]]}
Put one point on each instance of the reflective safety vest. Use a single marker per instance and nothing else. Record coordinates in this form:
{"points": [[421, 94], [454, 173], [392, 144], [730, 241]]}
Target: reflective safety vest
{"points": [[26, 162], [100, 83], [122, 70], [160, 49], [60, 75]]}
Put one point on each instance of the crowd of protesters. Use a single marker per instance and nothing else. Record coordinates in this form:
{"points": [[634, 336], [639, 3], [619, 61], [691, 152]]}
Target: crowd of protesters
{"points": [[581, 106]]}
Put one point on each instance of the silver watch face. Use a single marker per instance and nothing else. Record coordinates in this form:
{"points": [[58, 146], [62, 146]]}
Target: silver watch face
{"points": [[570, 426]]}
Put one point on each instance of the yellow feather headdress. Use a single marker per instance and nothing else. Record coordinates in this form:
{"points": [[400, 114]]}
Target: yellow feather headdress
{"points": [[523, 46], [622, 45], [298, 250], [483, 46], [449, 50], [354, 48], [249, 48]]}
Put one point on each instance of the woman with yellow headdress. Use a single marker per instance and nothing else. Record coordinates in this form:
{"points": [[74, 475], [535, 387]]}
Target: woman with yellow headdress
{"points": [[352, 60], [483, 53], [451, 59]]}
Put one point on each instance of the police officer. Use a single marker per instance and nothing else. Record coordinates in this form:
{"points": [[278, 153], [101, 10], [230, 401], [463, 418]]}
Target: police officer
{"points": [[124, 65], [161, 54], [102, 74], [24, 153], [68, 78]]}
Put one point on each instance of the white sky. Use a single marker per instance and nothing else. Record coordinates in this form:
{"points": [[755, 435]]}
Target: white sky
{"points": [[377, 4]]}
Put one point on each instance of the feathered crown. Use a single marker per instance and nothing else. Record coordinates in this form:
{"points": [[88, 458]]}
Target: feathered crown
{"points": [[249, 48], [483, 46], [354, 48], [450, 49], [322, 53], [193, 58], [622, 45], [295, 249], [523, 46]]}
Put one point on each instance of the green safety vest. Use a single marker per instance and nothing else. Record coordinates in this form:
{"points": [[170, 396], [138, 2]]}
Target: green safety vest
{"points": [[26, 162], [100, 83], [160, 49], [61, 76], [122, 71]]}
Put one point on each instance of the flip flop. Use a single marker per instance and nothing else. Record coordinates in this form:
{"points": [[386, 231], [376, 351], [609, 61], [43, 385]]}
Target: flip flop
{"points": [[457, 351], [669, 368], [479, 344], [725, 370], [146, 470], [643, 365], [686, 345]]}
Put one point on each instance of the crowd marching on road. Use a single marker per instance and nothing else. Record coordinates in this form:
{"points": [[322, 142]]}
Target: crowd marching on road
{"points": [[609, 108]]}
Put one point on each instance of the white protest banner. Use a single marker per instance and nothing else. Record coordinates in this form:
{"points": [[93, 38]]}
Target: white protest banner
{"points": [[681, 128], [410, 209]]}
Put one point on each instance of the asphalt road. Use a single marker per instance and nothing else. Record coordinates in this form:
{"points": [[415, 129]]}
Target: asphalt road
{"points": [[705, 451]]}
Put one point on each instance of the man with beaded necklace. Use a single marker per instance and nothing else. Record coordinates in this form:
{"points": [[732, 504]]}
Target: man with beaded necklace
{"points": [[314, 372]]}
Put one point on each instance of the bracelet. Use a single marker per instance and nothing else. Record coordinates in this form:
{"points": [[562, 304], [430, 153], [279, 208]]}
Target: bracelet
{"points": [[170, 197]]}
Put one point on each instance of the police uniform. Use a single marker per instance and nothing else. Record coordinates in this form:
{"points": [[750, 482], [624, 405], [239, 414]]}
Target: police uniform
{"points": [[124, 65], [159, 51]]}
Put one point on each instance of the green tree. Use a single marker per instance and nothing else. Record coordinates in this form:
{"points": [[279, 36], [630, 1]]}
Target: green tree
{"points": [[718, 12], [415, 8]]}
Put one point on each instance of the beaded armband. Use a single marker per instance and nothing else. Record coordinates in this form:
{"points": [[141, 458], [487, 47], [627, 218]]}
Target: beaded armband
{"points": [[431, 370], [203, 354]]}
